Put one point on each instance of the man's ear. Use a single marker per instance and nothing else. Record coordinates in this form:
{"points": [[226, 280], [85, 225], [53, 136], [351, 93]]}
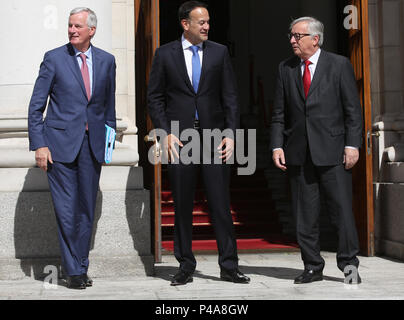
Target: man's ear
{"points": [[185, 24], [92, 31], [316, 39]]}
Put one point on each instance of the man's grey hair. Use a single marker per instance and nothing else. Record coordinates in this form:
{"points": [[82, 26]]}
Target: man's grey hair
{"points": [[91, 19], [314, 27]]}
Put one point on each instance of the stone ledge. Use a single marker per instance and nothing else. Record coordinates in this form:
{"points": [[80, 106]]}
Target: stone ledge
{"points": [[15, 149], [390, 248], [34, 179], [122, 266], [17, 157], [391, 172], [19, 123], [395, 153], [389, 122]]}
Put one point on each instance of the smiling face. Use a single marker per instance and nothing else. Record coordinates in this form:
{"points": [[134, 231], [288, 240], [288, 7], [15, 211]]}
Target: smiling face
{"points": [[196, 28], [307, 45], [78, 31]]}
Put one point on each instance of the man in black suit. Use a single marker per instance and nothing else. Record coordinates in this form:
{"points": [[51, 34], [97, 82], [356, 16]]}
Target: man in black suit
{"points": [[192, 83], [316, 132]]}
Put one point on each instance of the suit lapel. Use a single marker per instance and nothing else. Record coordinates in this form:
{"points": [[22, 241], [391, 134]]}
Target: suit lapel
{"points": [[205, 63], [298, 78], [320, 71], [179, 59], [96, 68], [74, 67]]}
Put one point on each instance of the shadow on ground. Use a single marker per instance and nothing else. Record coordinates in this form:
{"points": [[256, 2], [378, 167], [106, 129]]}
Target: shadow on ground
{"points": [[167, 273]]}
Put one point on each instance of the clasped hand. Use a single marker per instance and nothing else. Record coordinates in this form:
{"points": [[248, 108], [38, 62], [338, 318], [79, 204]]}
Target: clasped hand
{"points": [[171, 142]]}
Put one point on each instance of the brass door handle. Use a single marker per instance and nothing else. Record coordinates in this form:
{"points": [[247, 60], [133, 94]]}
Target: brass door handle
{"points": [[157, 146], [376, 134], [147, 138], [369, 135]]}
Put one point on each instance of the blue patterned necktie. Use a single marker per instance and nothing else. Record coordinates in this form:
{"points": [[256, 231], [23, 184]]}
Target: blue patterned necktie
{"points": [[196, 71]]}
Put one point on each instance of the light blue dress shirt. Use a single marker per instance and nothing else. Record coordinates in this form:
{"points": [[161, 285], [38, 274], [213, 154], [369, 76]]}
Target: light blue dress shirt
{"points": [[89, 60]]}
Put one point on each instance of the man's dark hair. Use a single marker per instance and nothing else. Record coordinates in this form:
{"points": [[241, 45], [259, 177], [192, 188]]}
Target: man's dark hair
{"points": [[186, 8]]}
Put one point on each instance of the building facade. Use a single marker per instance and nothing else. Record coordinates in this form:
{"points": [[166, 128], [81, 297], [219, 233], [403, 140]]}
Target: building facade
{"points": [[124, 236]]}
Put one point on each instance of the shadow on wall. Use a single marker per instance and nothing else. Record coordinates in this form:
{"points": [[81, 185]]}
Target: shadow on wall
{"points": [[139, 221], [36, 240], [35, 231]]}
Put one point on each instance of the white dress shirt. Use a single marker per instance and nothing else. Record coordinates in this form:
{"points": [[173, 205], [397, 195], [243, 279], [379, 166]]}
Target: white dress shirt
{"points": [[314, 61], [188, 55]]}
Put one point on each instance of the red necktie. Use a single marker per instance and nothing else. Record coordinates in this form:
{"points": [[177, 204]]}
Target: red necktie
{"points": [[306, 78], [85, 74]]}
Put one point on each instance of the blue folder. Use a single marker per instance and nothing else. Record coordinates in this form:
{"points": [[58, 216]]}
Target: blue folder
{"points": [[109, 143]]}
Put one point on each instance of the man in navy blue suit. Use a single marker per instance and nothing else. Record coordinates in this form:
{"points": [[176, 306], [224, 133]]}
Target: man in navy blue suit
{"points": [[192, 82], [69, 144]]}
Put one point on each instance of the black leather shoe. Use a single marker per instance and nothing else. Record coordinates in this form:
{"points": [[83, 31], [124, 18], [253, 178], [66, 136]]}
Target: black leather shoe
{"points": [[181, 278], [87, 280], [309, 276], [75, 282], [352, 279], [234, 276]]}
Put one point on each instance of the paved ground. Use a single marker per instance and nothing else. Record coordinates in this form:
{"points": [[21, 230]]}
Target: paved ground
{"points": [[271, 275]]}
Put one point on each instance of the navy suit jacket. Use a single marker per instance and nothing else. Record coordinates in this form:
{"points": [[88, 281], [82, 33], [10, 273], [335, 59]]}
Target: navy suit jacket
{"points": [[63, 129], [171, 96], [324, 123]]}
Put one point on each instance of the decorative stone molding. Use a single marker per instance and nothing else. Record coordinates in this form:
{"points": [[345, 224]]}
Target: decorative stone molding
{"points": [[15, 150]]}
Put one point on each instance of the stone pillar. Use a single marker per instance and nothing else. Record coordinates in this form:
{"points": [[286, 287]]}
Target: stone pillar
{"points": [[121, 243], [386, 22]]}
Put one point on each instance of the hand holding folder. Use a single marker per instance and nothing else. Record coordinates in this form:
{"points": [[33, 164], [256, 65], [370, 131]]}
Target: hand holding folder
{"points": [[109, 143]]}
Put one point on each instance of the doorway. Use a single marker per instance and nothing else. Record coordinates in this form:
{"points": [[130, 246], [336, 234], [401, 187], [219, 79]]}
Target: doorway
{"points": [[255, 33]]}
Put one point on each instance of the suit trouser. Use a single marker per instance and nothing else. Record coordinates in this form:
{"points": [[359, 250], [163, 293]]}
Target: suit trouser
{"points": [[334, 183], [74, 188], [216, 179]]}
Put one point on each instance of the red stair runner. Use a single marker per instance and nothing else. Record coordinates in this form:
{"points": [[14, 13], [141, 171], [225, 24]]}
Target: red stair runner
{"points": [[254, 217]]}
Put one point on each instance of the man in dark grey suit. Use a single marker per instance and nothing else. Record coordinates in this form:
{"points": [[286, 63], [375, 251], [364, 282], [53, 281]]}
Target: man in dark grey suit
{"points": [[316, 132]]}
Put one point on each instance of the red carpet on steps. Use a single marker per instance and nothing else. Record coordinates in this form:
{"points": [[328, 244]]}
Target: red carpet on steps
{"points": [[242, 245], [253, 212]]}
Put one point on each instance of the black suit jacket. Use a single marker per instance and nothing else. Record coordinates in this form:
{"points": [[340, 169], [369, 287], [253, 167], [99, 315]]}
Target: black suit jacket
{"points": [[171, 96], [324, 123]]}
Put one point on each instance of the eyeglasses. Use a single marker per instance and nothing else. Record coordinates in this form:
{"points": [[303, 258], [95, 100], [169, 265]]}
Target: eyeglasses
{"points": [[297, 36]]}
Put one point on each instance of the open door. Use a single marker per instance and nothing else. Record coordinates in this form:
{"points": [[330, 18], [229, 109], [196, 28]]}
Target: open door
{"points": [[362, 173], [146, 41]]}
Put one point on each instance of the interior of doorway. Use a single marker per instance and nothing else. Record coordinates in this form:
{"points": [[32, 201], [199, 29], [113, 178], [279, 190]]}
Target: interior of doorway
{"points": [[255, 33]]}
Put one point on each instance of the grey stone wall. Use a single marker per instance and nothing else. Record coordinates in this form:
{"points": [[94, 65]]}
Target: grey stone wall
{"points": [[121, 241], [386, 25]]}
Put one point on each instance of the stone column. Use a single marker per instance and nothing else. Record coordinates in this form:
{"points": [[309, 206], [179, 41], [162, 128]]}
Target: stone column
{"points": [[28, 240]]}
